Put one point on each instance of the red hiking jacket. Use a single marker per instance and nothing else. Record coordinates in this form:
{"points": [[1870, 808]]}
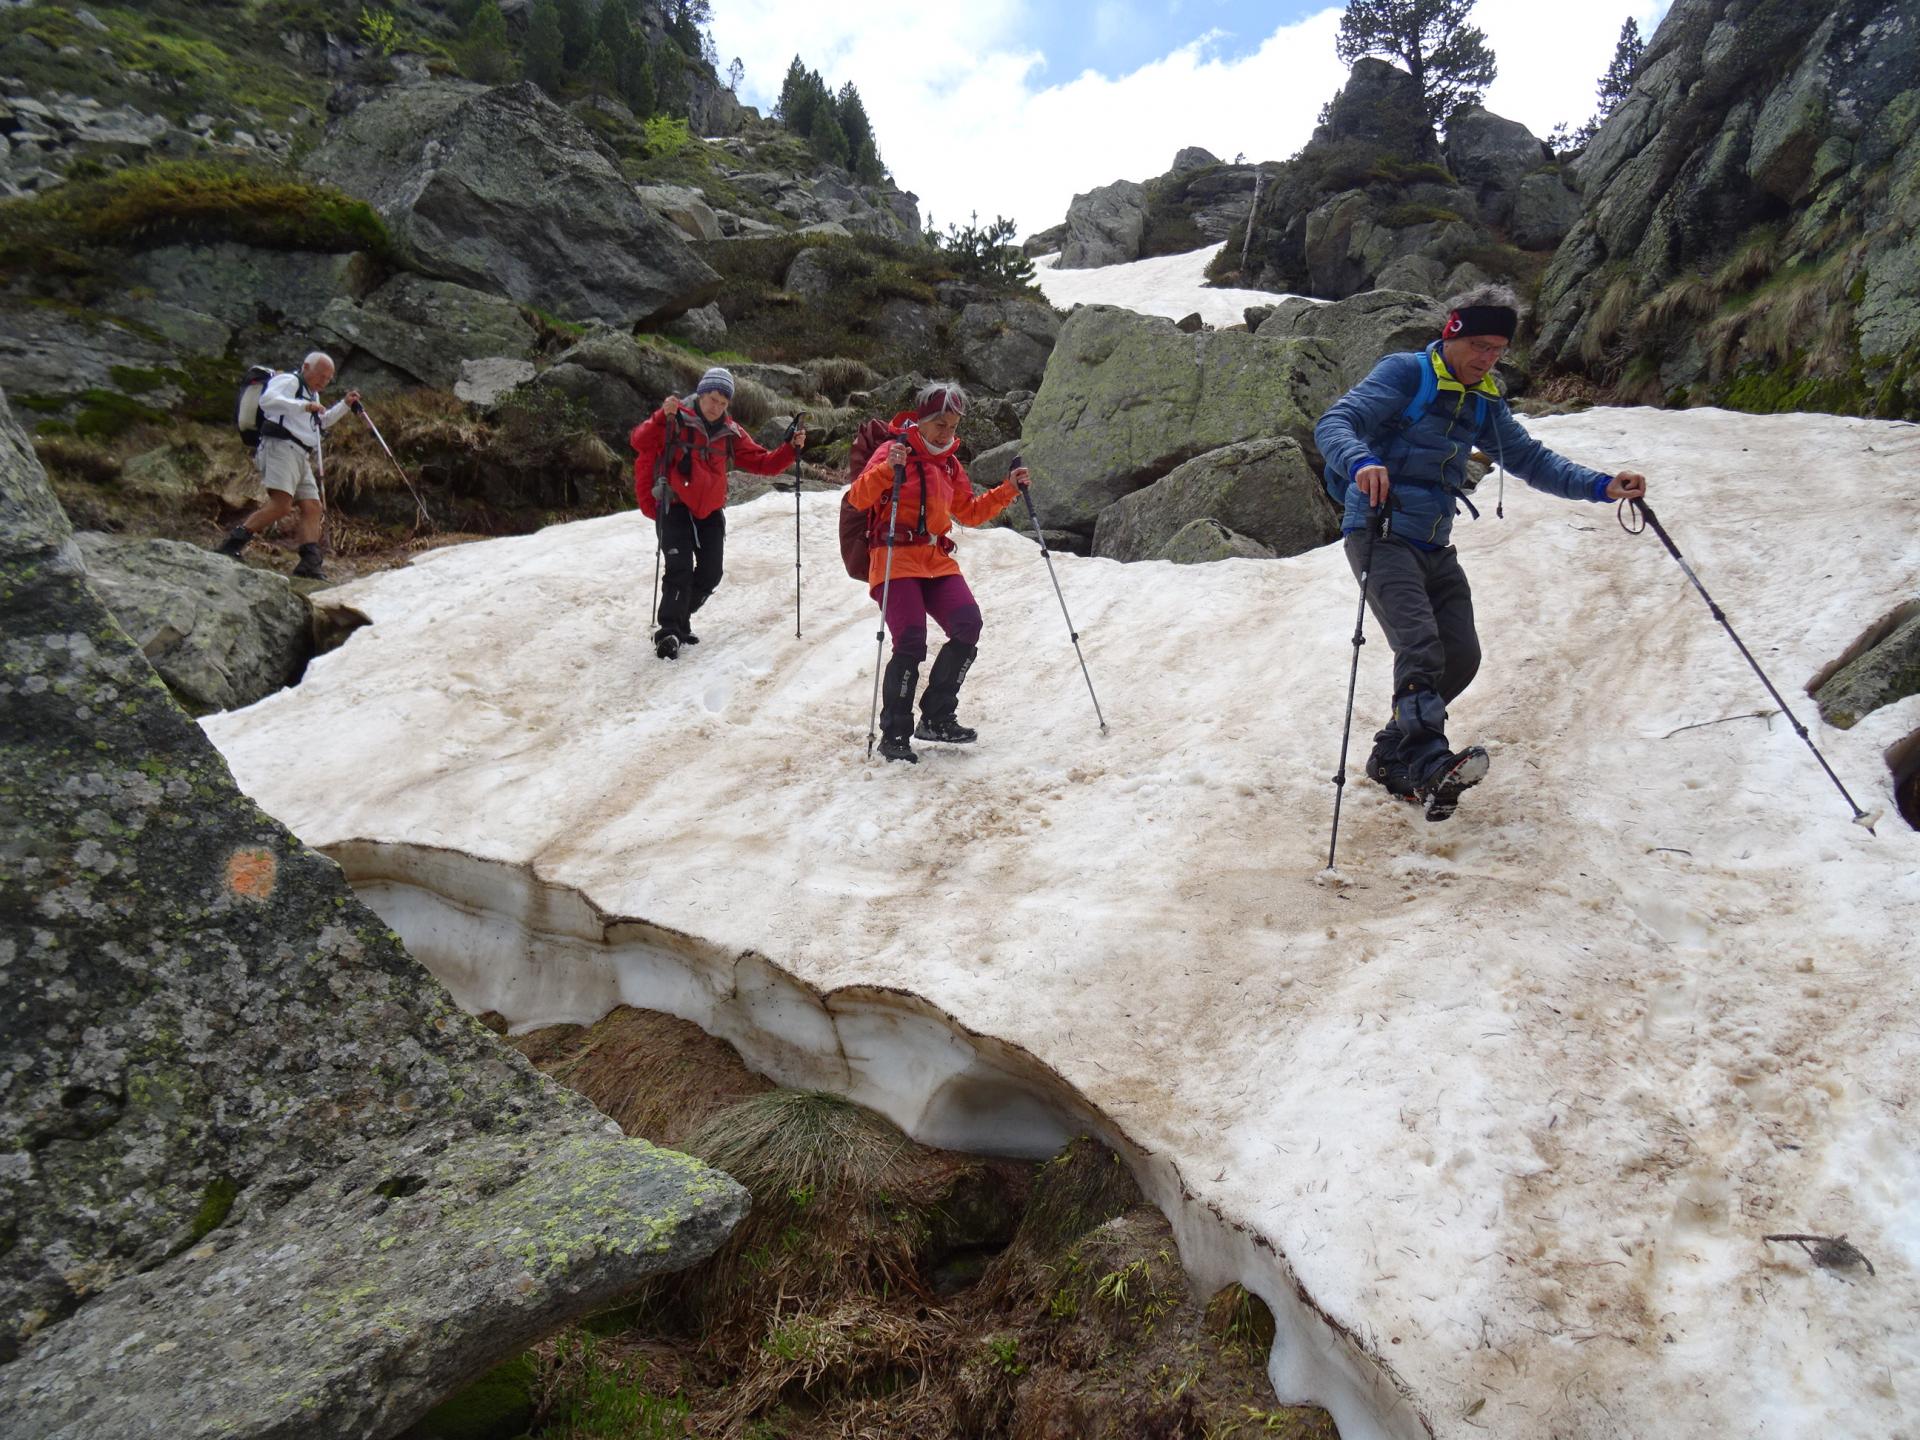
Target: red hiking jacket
{"points": [[698, 469]]}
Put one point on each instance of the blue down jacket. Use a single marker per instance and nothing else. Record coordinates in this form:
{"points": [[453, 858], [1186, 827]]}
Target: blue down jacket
{"points": [[1426, 458]]}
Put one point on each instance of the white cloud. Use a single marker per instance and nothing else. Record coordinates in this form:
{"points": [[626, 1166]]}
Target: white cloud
{"points": [[962, 122]]}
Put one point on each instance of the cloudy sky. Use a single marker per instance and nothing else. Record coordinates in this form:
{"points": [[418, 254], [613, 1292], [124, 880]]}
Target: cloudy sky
{"points": [[1009, 107]]}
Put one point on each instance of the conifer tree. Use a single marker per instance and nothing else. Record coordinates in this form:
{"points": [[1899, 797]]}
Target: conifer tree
{"points": [[576, 33], [828, 140], [545, 48], [484, 55], [1447, 56], [600, 72], [1617, 83], [636, 78]]}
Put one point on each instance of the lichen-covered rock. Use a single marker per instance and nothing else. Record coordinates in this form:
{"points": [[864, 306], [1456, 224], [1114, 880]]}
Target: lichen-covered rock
{"points": [[1266, 491], [505, 191], [50, 354], [1887, 672], [253, 291], [423, 329], [1542, 211], [1127, 397], [1200, 542], [1492, 155], [1359, 330], [261, 1176], [1764, 169], [1104, 226], [1004, 344], [221, 635]]}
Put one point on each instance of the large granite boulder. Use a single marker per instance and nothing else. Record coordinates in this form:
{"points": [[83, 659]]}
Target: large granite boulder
{"points": [[423, 330], [1543, 210], [258, 292], [1127, 397], [1491, 155], [1104, 226], [1192, 157], [1266, 491], [1200, 542], [262, 1177], [221, 635], [1357, 331], [505, 191], [1004, 344], [1759, 142], [49, 355]]}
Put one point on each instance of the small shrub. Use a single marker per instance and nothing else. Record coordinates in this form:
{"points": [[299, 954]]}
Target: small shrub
{"points": [[753, 403], [667, 136]]}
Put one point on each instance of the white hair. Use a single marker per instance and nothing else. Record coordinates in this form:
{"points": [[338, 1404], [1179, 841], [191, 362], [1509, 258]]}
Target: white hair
{"points": [[314, 356]]}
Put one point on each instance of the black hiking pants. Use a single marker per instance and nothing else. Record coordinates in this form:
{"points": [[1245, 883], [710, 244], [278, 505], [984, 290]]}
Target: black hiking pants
{"points": [[1424, 606], [692, 553]]}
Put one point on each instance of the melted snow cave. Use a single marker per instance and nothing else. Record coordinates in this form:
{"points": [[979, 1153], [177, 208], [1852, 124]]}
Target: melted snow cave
{"points": [[501, 939]]}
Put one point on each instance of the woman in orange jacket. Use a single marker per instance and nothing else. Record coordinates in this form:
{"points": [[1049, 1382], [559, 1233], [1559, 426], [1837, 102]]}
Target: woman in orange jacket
{"points": [[681, 454], [925, 578]]}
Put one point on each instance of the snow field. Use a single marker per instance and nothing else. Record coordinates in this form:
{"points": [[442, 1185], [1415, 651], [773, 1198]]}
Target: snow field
{"points": [[1171, 285], [1514, 1105]]}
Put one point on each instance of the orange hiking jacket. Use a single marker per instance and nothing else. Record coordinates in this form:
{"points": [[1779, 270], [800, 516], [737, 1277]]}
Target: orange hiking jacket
{"points": [[699, 473], [949, 497]]}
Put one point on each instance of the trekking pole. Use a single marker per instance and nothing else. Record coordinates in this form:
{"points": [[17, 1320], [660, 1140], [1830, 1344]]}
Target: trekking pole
{"points": [[1047, 555], [1645, 511], [1376, 522], [796, 523], [361, 410], [886, 585]]}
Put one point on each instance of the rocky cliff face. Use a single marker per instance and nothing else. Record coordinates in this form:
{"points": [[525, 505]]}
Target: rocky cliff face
{"points": [[261, 1176], [1750, 213], [1373, 201]]}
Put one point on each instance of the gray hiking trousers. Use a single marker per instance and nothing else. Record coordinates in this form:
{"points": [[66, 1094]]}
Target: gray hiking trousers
{"points": [[1425, 607], [1423, 603]]}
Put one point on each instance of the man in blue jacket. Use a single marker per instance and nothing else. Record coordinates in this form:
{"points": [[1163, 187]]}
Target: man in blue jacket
{"points": [[1396, 448]]}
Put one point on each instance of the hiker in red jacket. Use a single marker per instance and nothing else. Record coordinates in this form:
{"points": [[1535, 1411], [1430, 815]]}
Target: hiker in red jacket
{"points": [[681, 455], [925, 578]]}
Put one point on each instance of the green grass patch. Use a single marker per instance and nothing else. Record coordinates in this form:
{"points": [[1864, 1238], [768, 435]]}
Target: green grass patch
{"points": [[1413, 213], [174, 57]]}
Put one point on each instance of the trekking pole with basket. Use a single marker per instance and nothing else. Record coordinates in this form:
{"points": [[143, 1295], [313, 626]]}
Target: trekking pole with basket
{"points": [[886, 586], [1047, 554], [1648, 519], [424, 517]]}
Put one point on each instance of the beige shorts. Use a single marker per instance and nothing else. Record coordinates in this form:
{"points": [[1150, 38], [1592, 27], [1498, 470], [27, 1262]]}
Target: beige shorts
{"points": [[285, 467]]}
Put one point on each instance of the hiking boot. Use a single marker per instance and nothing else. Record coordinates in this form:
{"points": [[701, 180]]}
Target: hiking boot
{"points": [[687, 637], [896, 747], [238, 538], [309, 566], [948, 732], [1386, 769], [1440, 792], [666, 645]]}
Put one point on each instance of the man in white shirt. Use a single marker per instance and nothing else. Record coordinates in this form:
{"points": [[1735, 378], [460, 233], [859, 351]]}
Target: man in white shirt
{"points": [[292, 420]]}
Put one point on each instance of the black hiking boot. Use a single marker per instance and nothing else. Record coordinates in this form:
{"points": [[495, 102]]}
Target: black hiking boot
{"points": [[1453, 777], [947, 732], [666, 644], [942, 699], [687, 637], [238, 538], [1387, 770], [309, 566], [897, 684]]}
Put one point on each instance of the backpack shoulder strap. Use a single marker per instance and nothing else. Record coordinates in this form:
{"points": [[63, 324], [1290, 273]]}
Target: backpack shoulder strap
{"points": [[1424, 391]]}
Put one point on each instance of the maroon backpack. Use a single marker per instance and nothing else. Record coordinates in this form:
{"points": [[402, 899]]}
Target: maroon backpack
{"points": [[861, 530]]}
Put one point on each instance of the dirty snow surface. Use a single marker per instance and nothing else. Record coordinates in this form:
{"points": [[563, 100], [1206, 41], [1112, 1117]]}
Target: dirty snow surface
{"points": [[1171, 285], [1514, 1105]]}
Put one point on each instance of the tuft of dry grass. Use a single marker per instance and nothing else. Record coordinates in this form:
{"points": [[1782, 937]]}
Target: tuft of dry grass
{"points": [[838, 376], [1606, 319], [753, 403]]}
